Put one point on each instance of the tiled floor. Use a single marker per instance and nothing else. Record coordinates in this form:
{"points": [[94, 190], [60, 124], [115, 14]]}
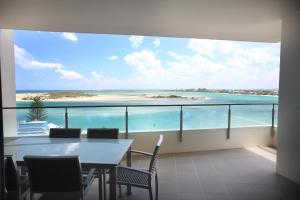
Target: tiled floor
{"points": [[236, 174]]}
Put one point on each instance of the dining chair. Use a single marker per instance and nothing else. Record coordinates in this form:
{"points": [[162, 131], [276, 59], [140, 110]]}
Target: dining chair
{"points": [[57, 176], [103, 133], [141, 178], [64, 132], [16, 186]]}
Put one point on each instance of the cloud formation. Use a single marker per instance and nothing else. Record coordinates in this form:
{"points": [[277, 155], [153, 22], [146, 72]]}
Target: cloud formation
{"points": [[97, 76], [70, 36], [136, 40], [212, 64], [156, 42], [25, 60], [115, 57]]}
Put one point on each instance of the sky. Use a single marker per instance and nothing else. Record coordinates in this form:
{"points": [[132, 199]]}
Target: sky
{"points": [[77, 61]]}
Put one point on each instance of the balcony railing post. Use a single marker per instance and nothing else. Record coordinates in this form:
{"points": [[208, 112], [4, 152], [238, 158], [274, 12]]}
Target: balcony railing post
{"points": [[126, 123], [181, 124], [273, 121], [66, 118], [229, 122], [2, 188]]}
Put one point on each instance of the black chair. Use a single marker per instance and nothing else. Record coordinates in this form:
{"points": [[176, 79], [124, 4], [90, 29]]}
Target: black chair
{"points": [[57, 177], [103, 133], [64, 132], [141, 178], [16, 186]]}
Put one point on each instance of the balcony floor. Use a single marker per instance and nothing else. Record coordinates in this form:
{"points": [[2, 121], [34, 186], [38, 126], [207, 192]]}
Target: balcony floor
{"points": [[236, 174]]}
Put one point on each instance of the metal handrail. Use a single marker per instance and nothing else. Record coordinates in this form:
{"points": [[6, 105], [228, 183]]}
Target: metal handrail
{"points": [[143, 105], [126, 106]]}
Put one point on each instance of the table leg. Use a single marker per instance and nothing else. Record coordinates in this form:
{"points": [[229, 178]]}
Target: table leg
{"points": [[100, 184], [129, 165], [112, 183]]}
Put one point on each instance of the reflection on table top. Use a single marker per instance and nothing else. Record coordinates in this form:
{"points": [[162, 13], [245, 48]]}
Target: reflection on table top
{"points": [[92, 152]]}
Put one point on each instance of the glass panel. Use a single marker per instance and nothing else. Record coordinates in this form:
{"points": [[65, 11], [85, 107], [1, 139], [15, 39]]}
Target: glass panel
{"points": [[276, 116], [30, 122], [251, 115], [153, 118], [204, 117], [97, 118]]}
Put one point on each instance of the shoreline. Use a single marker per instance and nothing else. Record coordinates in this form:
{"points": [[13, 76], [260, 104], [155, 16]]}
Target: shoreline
{"points": [[25, 97], [94, 98], [89, 97]]}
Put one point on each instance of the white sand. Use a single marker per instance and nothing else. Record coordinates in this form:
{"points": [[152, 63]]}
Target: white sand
{"points": [[99, 97]]}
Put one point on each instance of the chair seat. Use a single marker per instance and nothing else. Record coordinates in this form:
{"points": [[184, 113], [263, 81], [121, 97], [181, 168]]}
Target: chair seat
{"points": [[137, 177], [24, 189], [86, 171], [88, 178], [24, 184]]}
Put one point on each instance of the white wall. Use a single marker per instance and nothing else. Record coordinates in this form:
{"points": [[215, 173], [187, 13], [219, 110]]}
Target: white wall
{"points": [[8, 81], [203, 139], [197, 140], [288, 144]]}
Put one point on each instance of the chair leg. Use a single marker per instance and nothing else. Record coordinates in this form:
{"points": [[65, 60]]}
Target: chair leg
{"points": [[156, 187], [31, 196], [120, 191], [100, 183], [81, 196], [150, 193], [104, 183]]}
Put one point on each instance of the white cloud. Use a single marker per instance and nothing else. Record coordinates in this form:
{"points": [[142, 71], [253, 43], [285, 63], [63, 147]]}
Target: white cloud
{"points": [[70, 36], [219, 64], [212, 47], [97, 76], [156, 42], [25, 60], [69, 74], [145, 63], [113, 57], [41, 65], [136, 40], [175, 55]]}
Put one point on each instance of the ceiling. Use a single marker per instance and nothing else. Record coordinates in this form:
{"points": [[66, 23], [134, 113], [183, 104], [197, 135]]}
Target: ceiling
{"points": [[246, 20]]}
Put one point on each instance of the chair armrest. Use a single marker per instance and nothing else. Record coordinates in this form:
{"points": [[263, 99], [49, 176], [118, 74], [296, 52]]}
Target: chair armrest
{"points": [[141, 152], [24, 179], [87, 179]]}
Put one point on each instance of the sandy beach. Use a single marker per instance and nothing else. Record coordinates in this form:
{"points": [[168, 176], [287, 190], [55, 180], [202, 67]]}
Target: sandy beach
{"points": [[94, 98]]}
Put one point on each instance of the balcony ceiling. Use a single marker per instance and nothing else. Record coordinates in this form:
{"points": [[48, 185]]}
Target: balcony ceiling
{"points": [[249, 20]]}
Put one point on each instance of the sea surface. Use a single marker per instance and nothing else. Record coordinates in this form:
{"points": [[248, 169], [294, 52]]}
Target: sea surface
{"points": [[161, 118]]}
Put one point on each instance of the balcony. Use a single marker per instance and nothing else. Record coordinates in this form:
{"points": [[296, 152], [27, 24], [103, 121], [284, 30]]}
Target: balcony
{"points": [[236, 174], [184, 172], [187, 127]]}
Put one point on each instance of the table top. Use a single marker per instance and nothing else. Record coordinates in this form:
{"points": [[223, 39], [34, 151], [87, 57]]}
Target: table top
{"points": [[91, 152]]}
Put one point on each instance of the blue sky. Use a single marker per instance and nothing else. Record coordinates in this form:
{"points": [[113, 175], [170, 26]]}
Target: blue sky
{"points": [[68, 61]]}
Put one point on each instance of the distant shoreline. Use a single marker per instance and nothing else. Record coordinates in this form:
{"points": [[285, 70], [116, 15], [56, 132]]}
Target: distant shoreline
{"points": [[87, 97], [254, 92]]}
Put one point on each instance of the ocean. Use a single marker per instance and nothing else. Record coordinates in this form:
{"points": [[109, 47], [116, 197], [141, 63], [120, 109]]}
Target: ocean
{"points": [[161, 118]]}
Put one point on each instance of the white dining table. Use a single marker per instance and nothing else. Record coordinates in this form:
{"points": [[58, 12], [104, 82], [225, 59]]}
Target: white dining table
{"points": [[93, 153]]}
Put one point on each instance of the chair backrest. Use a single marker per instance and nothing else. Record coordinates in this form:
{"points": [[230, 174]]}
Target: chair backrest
{"points": [[103, 133], [64, 133], [11, 174], [152, 166], [54, 173]]}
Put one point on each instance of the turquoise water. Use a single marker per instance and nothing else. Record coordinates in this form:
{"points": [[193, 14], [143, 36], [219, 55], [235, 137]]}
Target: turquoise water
{"points": [[162, 118]]}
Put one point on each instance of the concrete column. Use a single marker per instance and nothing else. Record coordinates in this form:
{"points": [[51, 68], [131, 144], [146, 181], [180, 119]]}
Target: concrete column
{"points": [[288, 144], [8, 81]]}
